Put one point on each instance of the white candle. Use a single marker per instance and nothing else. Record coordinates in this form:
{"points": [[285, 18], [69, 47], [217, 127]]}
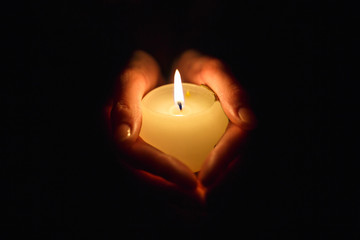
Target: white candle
{"points": [[188, 134]]}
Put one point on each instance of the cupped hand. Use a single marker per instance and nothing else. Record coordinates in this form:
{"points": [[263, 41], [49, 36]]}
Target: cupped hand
{"points": [[141, 75], [200, 69], [124, 117]]}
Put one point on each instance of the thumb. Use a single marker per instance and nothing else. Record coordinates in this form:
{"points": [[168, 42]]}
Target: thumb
{"points": [[125, 121], [140, 76]]}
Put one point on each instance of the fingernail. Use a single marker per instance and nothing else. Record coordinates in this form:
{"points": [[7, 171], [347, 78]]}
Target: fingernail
{"points": [[122, 133], [247, 118]]}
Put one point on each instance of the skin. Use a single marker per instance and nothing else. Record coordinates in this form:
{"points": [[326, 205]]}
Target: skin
{"points": [[123, 115]]}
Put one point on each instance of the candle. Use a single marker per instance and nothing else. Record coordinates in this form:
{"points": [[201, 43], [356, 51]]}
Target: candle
{"points": [[183, 120]]}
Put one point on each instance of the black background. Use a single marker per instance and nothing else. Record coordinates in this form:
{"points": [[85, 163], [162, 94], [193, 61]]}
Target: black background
{"points": [[296, 59]]}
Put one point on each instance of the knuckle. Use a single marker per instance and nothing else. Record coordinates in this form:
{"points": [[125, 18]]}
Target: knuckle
{"points": [[237, 93], [211, 67], [121, 106], [213, 64], [131, 73], [120, 110]]}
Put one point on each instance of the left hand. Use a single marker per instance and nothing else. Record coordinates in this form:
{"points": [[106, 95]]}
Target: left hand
{"points": [[123, 117]]}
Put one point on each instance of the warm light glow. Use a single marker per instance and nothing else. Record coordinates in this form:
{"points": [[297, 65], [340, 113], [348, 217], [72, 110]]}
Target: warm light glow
{"points": [[178, 91]]}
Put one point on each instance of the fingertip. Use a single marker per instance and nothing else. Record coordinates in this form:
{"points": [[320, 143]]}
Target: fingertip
{"points": [[205, 180], [201, 191], [190, 183], [183, 175], [122, 133], [126, 122], [152, 160], [206, 177], [228, 147]]}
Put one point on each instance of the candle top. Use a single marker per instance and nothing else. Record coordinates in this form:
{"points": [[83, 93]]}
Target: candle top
{"points": [[161, 100]]}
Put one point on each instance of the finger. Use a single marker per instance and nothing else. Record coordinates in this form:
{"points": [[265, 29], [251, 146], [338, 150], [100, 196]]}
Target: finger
{"points": [[212, 72], [227, 176], [140, 76], [147, 158], [195, 195], [224, 152]]}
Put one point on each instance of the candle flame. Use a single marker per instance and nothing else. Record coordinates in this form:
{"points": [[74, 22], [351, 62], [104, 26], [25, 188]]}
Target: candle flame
{"points": [[178, 91]]}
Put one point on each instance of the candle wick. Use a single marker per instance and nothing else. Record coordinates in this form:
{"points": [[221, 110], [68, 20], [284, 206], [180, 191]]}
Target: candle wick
{"points": [[180, 105]]}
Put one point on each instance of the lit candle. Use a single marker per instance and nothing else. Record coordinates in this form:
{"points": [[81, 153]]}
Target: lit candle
{"points": [[183, 120]]}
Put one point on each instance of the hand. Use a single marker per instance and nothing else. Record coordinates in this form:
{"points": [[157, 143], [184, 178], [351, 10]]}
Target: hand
{"points": [[123, 116], [200, 69]]}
